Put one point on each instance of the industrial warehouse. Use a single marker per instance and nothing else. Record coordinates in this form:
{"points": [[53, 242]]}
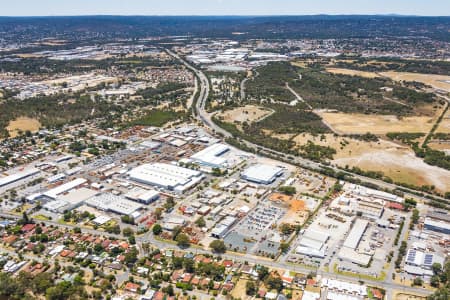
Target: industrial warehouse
{"points": [[166, 176]]}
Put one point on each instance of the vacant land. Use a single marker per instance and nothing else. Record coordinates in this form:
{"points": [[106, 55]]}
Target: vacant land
{"points": [[352, 72], [404, 296], [395, 161], [377, 124], [22, 124], [437, 81], [247, 113], [239, 289]]}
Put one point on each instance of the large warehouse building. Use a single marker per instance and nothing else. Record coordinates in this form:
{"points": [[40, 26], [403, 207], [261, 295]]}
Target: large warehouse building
{"points": [[113, 203], [18, 176], [313, 243], [169, 177], [212, 156], [262, 174]]}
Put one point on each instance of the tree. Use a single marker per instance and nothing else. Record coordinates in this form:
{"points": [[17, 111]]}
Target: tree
{"points": [[288, 190], [417, 281], [200, 222], [274, 282], [218, 246], [263, 272], [157, 229], [182, 240], [250, 288], [284, 247], [286, 229], [127, 231]]}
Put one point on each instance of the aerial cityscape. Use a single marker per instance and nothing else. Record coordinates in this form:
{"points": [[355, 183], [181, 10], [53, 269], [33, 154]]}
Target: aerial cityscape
{"points": [[225, 151]]}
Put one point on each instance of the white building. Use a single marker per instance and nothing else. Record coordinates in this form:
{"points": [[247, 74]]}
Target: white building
{"points": [[169, 177], [18, 176], [212, 156], [113, 203], [54, 193], [263, 174]]}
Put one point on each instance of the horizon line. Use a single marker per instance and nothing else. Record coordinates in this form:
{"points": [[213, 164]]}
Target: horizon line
{"points": [[227, 15]]}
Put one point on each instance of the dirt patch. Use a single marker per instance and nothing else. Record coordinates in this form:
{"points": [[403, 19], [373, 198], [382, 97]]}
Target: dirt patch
{"points": [[404, 296], [442, 146], [22, 124], [437, 81], [352, 72], [239, 289], [248, 113], [395, 161], [377, 124]]}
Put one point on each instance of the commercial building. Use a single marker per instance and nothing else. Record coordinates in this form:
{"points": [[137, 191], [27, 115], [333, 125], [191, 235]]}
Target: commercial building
{"points": [[221, 229], [113, 203], [143, 196], [169, 177], [437, 225], [212, 156], [74, 199], [64, 188], [262, 174], [371, 208], [420, 263], [18, 176], [349, 250], [355, 235], [312, 243]]}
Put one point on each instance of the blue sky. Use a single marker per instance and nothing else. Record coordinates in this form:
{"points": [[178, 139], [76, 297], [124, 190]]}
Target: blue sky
{"points": [[222, 7]]}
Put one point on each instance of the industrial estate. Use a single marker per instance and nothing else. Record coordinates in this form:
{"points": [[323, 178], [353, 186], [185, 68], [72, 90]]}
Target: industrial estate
{"points": [[206, 167]]}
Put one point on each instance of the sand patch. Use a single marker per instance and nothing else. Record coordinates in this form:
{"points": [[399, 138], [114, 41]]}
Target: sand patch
{"points": [[376, 124], [22, 124], [352, 72]]}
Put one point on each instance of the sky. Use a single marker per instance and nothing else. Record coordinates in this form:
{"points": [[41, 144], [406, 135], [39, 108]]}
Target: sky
{"points": [[222, 7]]}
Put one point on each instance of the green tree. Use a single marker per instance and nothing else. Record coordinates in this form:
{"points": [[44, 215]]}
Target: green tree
{"points": [[218, 246], [157, 229], [182, 240]]}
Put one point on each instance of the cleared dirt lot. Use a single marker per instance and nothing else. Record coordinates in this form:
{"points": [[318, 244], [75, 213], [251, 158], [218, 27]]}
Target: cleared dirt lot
{"points": [[437, 81], [22, 124], [377, 124], [353, 72], [248, 113], [394, 160]]}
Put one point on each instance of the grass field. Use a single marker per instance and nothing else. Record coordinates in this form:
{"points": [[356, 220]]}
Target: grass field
{"points": [[377, 124], [22, 124]]}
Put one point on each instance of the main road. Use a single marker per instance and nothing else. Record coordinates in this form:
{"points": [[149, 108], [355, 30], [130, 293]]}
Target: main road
{"points": [[205, 118]]}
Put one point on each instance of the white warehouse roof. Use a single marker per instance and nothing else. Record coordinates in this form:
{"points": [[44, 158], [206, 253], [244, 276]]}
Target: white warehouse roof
{"points": [[262, 173], [18, 176], [53, 193], [212, 155], [355, 234], [117, 204], [164, 175]]}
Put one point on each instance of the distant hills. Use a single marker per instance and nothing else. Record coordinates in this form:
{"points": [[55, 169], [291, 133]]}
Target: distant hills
{"points": [[279, 27]]}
